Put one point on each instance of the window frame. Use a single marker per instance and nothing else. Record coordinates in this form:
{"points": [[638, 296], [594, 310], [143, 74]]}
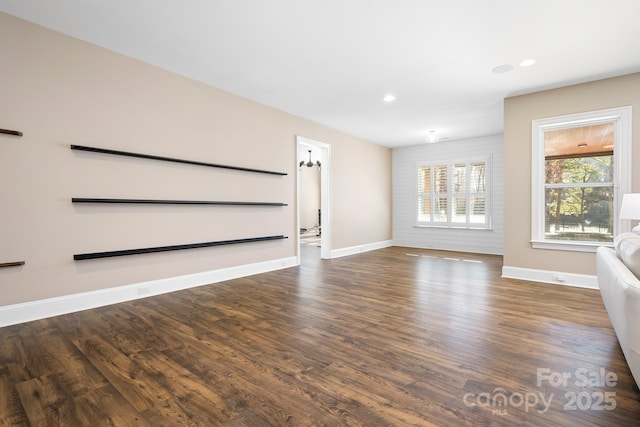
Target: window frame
{"points": [[621, 119], [451, 196]]}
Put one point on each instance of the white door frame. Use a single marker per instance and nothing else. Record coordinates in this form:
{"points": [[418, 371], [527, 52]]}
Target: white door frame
{"points": [[325, 186]]}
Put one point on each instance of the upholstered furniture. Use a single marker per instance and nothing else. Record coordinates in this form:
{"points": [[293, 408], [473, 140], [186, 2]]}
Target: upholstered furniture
{"points": [[618, 273]]}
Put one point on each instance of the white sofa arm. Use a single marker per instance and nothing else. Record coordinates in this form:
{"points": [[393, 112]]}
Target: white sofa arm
{"points": [[620, 290], [632, 311]]}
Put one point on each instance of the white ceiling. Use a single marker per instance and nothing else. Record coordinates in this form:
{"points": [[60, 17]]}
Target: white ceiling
{"points": [[332, 61]]}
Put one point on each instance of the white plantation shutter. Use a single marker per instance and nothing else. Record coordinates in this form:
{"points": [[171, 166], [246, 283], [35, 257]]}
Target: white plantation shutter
{"points": [[477, 196], [453, 194]]}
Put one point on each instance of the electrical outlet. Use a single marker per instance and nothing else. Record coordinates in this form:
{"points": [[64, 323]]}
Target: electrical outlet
{"points": [[143, 290]]}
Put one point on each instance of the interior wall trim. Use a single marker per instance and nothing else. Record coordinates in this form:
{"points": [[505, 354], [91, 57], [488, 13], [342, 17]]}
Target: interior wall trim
{"points": [[41, 309], [554, 277], [352, 250], [451, 248]]}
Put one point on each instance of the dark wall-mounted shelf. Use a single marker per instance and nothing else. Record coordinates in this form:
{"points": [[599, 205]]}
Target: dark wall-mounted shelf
{"points": [[169, 159], [172, 202], [10, 132], [109, 254], [11, 264]]}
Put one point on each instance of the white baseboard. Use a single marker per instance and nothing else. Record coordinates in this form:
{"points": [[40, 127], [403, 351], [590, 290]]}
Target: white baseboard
{"points": [[352, 250], [483, 251], [547, 276], [40, 309]]}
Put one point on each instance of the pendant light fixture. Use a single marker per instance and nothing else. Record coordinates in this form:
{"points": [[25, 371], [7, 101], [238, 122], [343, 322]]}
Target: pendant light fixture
{"points": [[310, 164]]}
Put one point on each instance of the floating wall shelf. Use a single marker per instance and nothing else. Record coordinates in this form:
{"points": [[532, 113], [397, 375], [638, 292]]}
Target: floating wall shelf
{"points": [[169, 159], [95, 255], [11, 264], [11, 132], [173, 202]]}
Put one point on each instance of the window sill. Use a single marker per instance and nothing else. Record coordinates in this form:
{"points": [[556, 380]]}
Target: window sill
{"points": [[568, 245], [453, 227]]}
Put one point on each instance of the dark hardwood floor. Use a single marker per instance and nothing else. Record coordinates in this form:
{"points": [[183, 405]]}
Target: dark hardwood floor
{"points": [[394, 337]]}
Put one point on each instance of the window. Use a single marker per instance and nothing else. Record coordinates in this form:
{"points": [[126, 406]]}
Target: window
{"points": [[453, 194], [580, 170]]}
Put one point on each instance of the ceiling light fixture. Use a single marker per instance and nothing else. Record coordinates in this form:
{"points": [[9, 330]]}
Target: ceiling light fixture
{"points": [[389, 98], [527, 62], [309, 164], [432, 137]]}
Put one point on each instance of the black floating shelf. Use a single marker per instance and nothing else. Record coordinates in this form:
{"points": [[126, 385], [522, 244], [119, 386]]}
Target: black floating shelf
{"points": [[11, 132], [95, 255], [169, 159], [173, 202], [11, 264]]}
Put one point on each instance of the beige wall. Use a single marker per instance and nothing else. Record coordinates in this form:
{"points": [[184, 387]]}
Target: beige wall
{"points": [[61, 91], [519, 111]]}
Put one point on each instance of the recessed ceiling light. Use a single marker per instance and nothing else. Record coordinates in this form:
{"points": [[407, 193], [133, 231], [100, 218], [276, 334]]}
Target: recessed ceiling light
{"points": [[501, 69], [527, 62], [389, 98]]}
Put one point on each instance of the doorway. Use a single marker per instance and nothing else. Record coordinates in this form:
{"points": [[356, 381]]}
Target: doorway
{"points": [[313, 224]]}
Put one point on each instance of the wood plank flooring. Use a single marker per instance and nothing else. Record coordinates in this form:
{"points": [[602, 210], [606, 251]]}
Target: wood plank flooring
{"points": [[394, 337]]}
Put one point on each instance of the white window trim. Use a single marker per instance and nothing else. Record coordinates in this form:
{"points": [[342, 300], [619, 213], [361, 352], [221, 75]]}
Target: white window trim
{"points": [[621, 117], [449, 224]]}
